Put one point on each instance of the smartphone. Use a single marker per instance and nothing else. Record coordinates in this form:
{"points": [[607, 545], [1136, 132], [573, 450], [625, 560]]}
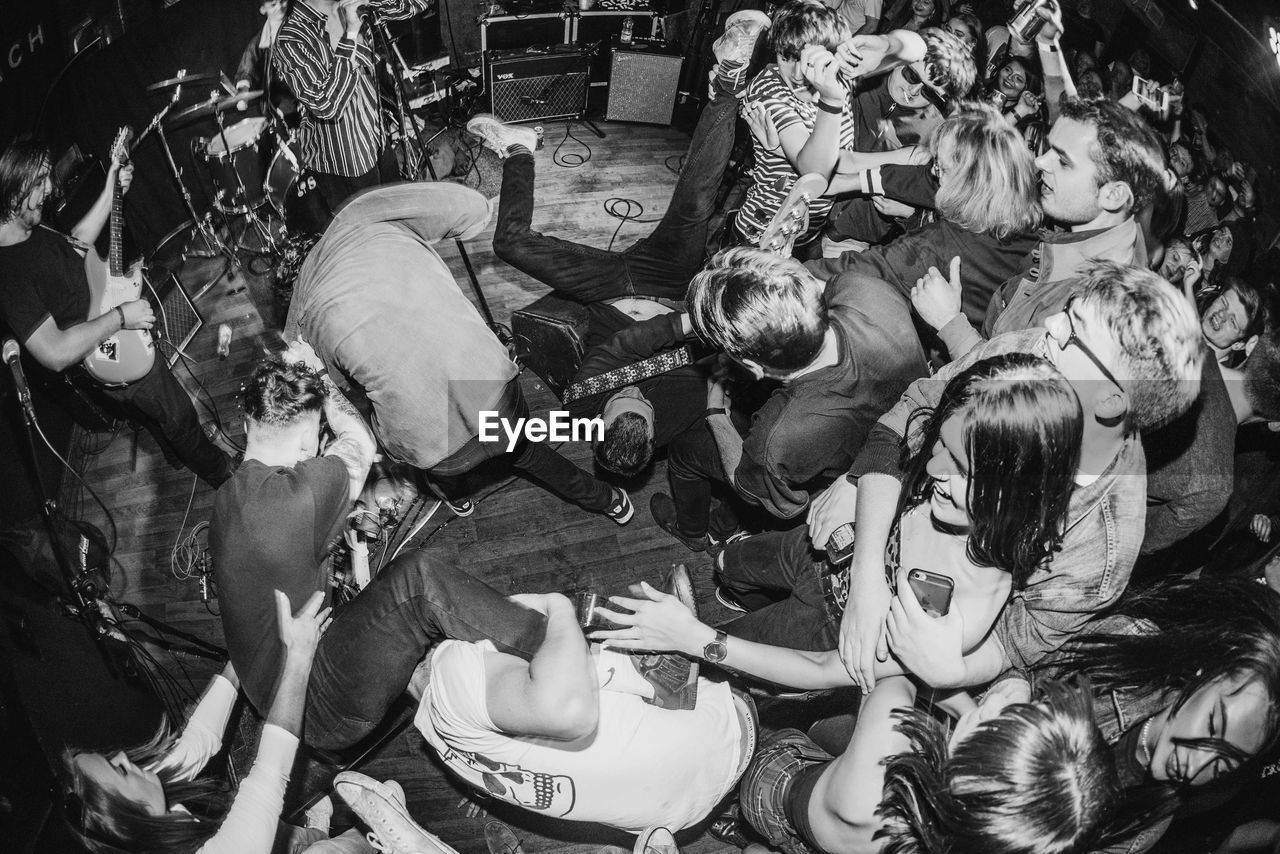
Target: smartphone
{"points": [[587, 606], [932, 590], [840, 544], [1154, 95]]}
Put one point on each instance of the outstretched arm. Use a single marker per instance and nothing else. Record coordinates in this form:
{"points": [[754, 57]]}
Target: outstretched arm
{"points": [[662, 622]]}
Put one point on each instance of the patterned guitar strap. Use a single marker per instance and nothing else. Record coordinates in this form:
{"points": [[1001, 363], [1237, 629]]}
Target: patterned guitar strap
{"points": [[629, 374]]}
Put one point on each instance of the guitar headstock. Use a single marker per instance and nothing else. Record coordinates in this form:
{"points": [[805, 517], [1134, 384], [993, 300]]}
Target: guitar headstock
{"points": [[120, 147]]}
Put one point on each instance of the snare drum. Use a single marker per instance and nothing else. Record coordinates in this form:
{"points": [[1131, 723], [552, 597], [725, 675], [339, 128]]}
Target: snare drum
{"points": [[238, 165]]}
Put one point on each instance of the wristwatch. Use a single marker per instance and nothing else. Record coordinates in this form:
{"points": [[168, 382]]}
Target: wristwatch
{"points": [[717, 649]]}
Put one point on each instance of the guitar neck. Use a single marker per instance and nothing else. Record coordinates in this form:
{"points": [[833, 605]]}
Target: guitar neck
{"points": [[115, 252]]}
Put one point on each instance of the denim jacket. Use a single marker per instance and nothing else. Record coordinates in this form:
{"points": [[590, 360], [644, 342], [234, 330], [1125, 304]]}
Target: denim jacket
{"points": [[1105, 520]]}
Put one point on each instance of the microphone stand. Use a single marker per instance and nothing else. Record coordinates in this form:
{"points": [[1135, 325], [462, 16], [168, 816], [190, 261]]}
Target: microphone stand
{"points": [[409, 130], [88, 609]]}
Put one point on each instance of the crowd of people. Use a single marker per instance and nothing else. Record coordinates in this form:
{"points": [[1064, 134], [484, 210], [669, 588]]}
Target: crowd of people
{"points": [[953, 411]]}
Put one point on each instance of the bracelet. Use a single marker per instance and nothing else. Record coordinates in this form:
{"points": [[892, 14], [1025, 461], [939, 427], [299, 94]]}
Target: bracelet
{"points": [[717, 410], [120, 311], [828, 108]]}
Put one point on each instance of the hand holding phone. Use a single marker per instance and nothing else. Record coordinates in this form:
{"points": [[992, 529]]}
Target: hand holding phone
{"points": [[933, 591]]}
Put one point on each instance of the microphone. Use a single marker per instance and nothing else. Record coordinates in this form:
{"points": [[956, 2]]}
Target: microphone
{"points": [[10, 352]]}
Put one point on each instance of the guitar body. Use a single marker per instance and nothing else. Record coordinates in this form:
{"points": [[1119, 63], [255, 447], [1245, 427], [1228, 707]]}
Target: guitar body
{"points": [[127, 355]]}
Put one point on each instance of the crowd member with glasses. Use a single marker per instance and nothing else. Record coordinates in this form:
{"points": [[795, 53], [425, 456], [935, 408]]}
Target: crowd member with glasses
{"points": [[1130, 346]]}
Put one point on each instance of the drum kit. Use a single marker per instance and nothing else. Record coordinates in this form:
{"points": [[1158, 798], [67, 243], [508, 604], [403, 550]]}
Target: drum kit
{"points": [[252, 164]]}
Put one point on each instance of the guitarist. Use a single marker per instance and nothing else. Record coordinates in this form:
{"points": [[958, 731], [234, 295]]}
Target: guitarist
{"points": [[44, 300]]}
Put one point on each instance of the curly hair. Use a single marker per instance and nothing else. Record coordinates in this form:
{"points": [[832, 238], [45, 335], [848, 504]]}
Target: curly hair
{"points": [[949, 63], [278, 394], [627, 446], [293, 254], [805, 22]]}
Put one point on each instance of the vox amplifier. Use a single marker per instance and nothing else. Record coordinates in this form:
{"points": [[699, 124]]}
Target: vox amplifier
{"points": [[525, 86]]}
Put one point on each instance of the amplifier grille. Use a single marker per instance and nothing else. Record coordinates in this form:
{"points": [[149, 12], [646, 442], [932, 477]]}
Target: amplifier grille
{"points": [[547, 96]]}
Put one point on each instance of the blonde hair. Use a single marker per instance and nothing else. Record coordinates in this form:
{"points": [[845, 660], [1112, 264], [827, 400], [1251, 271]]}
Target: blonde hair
{"points": [[1158, 334], [989, 179]]}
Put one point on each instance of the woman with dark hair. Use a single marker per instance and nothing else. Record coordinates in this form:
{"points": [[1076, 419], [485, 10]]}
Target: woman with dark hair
{"points": [[987, 481], [147, 799], [1186, 683]]}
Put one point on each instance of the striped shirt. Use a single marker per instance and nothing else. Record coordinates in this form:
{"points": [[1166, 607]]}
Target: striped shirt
{"points": [[342, 131], [773, 174]]}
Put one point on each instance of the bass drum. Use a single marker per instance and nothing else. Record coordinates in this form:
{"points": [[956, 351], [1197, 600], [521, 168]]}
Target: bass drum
{"points": [[292, 193]]}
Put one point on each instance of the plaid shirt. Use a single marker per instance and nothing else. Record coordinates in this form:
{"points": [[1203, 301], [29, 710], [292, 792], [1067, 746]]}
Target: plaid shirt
{"points": [[342, 131]]}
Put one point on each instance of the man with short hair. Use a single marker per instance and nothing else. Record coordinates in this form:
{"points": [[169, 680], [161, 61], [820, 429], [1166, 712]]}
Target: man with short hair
{"points": [[275, 520], [841, 353], [1130, 346], [45, 302], [1104, 163]]}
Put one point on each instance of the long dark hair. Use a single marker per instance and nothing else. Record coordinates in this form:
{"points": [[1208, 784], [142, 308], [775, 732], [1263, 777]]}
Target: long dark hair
{"points": [[19, 164], [108, 823], [1022, 432], [1199, 631], [1036, 779]]}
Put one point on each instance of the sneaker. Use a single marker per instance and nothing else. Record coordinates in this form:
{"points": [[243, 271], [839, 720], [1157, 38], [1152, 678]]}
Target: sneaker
{"points": [[663, 510], [738, 41], [726, 598], [499, 137], [462, 509], [320, 814], [621, 510], [381, 806], [792, 219], [656, 840], [674, 678], [501, 839]]}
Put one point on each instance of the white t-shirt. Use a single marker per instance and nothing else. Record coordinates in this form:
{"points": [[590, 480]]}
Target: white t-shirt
{"points": [[643, 766]]}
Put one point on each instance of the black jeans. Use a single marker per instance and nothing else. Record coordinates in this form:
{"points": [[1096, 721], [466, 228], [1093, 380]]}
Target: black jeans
{"points": [[333, 190], [159, 403], [779, 575], [693, 470], [659, 265], [368, 654]]}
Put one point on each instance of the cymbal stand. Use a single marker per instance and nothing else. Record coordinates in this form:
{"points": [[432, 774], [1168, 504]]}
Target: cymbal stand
{"points": [[202, 225], [252, 220]]}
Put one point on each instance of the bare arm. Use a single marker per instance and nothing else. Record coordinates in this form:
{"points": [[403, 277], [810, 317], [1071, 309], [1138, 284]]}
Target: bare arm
{"points": [[354, 443], [58, 349], [556, 695], [90, 226], [662, 622]]}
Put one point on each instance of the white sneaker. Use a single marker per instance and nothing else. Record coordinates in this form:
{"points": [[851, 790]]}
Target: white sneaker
{"points": [[381, 806], [499, 137], [656, 840]]}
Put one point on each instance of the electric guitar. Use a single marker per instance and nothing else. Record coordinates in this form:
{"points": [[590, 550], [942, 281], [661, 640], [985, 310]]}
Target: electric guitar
{"points": [[127, 355]]}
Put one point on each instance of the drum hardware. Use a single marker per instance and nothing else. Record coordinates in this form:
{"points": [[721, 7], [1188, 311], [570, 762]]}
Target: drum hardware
{"points": [[215, 105], [213, 244], [183, 80], [249, 208]]}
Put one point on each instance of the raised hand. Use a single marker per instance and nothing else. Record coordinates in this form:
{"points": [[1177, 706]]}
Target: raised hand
{"points": [[300, 632], [935, 299], [820, 67], [761, 125]]}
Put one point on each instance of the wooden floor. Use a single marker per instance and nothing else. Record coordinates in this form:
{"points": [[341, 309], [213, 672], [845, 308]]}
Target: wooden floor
{"points": [[520, 537]]}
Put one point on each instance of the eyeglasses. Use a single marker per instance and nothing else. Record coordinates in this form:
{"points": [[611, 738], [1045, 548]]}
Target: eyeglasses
{"points": [[1075, 339], [930, 94]]}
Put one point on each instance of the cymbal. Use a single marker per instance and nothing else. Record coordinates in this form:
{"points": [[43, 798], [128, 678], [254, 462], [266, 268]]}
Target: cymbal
{"points": [[189, 80], [216, 105]]}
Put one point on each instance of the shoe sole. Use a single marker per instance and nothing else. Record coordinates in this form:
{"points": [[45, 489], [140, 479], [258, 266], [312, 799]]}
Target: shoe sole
{"points": [[631, 510], [484, 119], [644, 839], [682, 587]]}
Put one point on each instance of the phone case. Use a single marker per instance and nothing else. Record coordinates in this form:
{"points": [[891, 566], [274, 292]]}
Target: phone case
{"points": [[932, 590]]}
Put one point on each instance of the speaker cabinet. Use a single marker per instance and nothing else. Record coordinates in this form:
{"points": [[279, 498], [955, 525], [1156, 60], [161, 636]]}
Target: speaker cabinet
{"points": [[642, 83], [550, 335], [525, 87]]}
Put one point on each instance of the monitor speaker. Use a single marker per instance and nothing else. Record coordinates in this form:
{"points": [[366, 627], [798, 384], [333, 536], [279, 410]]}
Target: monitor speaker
{"points": [[642, 85], [525, 87]]}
